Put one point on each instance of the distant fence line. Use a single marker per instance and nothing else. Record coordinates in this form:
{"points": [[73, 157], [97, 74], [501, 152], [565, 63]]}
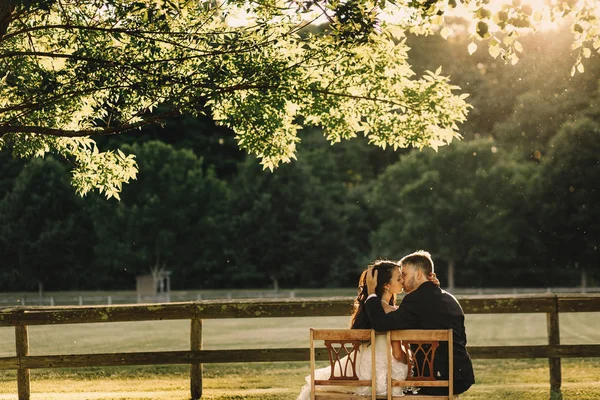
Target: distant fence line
{"points": [[32, 299], [91, 299], [23, 317]]}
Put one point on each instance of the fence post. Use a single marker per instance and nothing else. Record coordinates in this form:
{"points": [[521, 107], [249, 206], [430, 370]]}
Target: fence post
{"points": [[22, 345], [196, 369], [554, 340]]}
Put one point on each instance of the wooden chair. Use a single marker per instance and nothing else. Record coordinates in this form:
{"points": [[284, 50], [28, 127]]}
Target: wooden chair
{"points": [[341, 343], [422, 346]]}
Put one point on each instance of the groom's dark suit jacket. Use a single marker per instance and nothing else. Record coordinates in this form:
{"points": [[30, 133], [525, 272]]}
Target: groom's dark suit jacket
{"points": [[429, 307]]}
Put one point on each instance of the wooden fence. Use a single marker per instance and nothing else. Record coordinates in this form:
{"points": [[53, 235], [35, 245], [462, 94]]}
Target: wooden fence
{"points": [[22, 317]]}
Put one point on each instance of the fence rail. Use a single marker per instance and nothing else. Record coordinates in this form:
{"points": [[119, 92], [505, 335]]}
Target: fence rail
{"points": [[22, 317], [130, 297]]}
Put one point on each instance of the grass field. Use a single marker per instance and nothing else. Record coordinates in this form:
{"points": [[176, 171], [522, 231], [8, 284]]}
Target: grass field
{"points": [[496, 379]]}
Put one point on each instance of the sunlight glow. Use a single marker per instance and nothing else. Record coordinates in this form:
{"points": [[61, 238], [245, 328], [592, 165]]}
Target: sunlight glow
{"points": [[540, 11], [539, 8]]}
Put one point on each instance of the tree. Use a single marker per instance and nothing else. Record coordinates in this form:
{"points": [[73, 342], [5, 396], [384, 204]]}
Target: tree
{"points": [[566, 189], [9, 170], [344, 172], [216, 145], [459, 203], [74, 70], [287, 229], [103, 68], [45, 236], [168, 219], [541, 96]]}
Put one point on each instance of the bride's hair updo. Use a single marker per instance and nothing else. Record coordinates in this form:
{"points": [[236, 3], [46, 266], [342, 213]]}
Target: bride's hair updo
{"points": [[384, 268]]}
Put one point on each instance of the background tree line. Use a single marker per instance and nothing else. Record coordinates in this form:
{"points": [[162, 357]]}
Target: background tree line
{"points": [[515, 203]]}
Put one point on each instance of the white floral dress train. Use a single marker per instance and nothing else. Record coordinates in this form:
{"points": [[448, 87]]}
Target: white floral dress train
{"points": [[363, 371]]}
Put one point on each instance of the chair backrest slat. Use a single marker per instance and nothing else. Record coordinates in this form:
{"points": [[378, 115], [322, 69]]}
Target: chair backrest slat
{"points": [[342, 334], [423, 346], [420, 334], [343, 349], [421, 359], [342, 358], [343, 346]]}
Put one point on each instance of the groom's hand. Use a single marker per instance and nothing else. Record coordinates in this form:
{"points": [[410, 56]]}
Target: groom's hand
{"points": [[371, 281]]}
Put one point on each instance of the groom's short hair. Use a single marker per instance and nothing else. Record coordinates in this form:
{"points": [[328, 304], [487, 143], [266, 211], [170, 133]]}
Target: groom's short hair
{"points": [[420, 260]]}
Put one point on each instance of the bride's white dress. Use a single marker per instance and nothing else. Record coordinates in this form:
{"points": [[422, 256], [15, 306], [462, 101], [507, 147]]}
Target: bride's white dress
{"points": [[363, 370]]}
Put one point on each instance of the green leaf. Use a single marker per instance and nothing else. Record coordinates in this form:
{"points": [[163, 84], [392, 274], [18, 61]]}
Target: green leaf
{"points": [[445, 32], [494, 51], [472, 48], [482, 29], [518, 46]]}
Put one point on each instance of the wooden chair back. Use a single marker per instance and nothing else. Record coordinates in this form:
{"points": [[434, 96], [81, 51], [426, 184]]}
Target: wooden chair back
{"points": [[339, 344], [422, 346]]}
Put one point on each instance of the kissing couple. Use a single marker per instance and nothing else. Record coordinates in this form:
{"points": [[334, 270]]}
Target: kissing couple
{"points": [[425, 306]]}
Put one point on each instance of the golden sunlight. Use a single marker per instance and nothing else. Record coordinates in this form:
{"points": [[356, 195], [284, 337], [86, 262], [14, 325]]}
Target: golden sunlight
{"points": [[540, 13], [541, 10]]}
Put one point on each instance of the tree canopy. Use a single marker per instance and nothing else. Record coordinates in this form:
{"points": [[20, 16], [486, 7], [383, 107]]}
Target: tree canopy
{"points": [[510, 205], [73, 70], [444, 202]]}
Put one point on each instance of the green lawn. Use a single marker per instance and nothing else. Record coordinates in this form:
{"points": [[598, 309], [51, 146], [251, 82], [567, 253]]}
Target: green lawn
{"points": [[496, 379]]}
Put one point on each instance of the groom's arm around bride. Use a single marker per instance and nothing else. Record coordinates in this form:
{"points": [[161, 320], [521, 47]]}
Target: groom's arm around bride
{"points": [[425, 306]]}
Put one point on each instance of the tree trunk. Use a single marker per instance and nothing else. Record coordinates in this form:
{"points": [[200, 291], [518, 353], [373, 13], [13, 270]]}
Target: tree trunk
{"points": [[451, 275], [41, 292], [6, 10], [275, 282]]}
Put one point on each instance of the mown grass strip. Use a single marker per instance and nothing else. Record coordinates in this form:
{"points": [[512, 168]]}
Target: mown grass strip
{"points": [[496, 379]]}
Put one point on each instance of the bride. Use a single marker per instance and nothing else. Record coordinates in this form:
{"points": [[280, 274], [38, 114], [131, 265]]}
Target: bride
{"points": [[389, 283]]}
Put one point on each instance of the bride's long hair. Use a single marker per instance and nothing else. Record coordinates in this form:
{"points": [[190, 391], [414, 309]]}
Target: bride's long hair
{"points": [[384, 268]]}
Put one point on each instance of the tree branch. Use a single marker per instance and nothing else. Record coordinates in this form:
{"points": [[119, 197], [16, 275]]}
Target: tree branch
{"points": [[133, 64], [137, 33], [6, 10], [40, 130], [56, 55], [31, 105]]}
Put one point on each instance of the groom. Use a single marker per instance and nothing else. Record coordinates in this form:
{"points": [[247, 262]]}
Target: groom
{"points": [[426, 306]]}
